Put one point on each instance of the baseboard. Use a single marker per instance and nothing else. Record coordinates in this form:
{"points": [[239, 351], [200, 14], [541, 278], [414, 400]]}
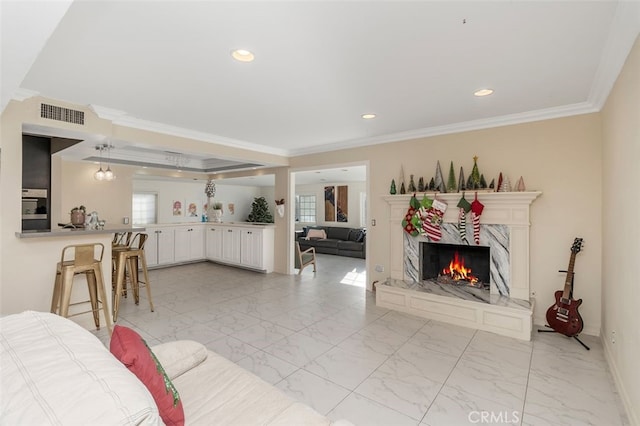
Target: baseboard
{"points": [[591, 331], [632, 415]]}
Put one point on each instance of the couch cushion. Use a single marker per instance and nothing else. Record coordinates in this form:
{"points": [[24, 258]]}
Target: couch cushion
{"points": [[179, 356], [326, 243], [133, 352], [337, 233], [218, 392], [350, 245], [56, 372]]}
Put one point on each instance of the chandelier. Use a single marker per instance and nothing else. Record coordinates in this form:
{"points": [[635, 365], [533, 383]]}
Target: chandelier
{"points": [[177, 159], [100, 174]]}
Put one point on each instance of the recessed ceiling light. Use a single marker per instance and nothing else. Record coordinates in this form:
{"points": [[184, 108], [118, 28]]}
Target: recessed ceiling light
{"points": [[345, 170], [483, 92], [242, 55], [368, 116]]}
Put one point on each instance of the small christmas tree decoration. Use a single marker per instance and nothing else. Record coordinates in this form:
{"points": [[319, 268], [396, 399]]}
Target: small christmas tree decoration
{"points": [[470, 183], [492, 185], [451, 181], [461, 183], [432, 185], [392, 190], [210, 188], [505, 186], [499, 182], [402, 190], [483, 183], [421, 184], [401, 175], [433, 220], [260, 211], [407, 222], [476, 211], [475, 174], [439, 180], [412, 185], [464, 208], [520, 185]]}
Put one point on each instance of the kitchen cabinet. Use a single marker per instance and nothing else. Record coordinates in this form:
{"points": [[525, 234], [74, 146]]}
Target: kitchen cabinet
{"points": [[248, 246], [231, 245], [214, 242], [188, 243], [159, 248]]}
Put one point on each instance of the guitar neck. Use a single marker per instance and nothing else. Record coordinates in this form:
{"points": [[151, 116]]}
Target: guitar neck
{"points": [[566, 293]]}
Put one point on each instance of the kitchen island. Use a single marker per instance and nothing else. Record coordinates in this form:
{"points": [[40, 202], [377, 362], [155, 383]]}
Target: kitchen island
{"points": [[75, 232]]}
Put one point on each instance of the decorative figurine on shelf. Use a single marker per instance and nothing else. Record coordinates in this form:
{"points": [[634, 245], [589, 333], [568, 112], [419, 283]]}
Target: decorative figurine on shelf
{"points": [[412, 185], [421, 184], [439, 180], [505, 186], [520, 185], [451, 182], [492, 185], [461, 183], [402, 190], [483, 183], [392, 190], [475, 175], [432, 185]]}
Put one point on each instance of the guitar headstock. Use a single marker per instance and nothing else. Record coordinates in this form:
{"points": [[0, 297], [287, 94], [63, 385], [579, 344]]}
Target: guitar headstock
{"points": [[577, 245]]}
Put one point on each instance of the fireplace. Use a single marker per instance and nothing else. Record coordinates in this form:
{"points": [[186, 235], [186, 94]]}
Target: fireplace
{"points": [[455, 264], [504, 240]]}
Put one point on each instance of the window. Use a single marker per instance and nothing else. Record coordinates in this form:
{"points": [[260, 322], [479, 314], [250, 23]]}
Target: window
{"points": [[306, 208], [144, 208]]}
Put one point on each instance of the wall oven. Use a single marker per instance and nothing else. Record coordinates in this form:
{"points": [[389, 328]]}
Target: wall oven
{"points": [[34, 204]]}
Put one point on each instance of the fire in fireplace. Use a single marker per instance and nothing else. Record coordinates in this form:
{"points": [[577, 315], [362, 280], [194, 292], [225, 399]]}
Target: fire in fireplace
{"points": [[455, 264]]}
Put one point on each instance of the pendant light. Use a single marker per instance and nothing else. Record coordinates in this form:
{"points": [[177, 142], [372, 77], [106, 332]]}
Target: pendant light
{"points": [[99, 174], [108, 174]]}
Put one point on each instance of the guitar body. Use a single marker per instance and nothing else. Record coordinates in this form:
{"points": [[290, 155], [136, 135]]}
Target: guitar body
{"points": [[564, 317]]}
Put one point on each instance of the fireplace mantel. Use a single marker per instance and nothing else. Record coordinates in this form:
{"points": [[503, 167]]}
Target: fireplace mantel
{"points": [[510, 209]]}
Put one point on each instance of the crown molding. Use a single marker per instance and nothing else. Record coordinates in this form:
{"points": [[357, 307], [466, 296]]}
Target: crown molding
{"points": [[22, 94], [625, 28], [505, 120], [123, 119]]}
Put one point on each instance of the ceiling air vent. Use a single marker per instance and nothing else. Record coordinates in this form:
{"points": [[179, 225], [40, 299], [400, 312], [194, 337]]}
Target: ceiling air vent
{"points": [[67, 115]]}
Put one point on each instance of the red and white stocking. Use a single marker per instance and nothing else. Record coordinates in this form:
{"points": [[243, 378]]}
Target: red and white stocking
{"points": [[433, 222], [476, 211]]}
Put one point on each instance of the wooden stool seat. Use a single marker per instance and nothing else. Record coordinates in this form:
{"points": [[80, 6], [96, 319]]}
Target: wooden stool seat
{"points": [[126, 262], [81, 259]]}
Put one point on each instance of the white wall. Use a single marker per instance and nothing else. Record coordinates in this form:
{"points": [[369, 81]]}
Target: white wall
{"points": [[169, 191], [355, 189], [620, 233]]}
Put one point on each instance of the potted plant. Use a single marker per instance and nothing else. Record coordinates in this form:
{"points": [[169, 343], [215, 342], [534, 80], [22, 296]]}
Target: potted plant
{"points": [[216, 212], [78, 215]]}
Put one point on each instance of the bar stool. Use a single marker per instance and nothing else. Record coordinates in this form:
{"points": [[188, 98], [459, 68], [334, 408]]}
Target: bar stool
{"points": [[128, 260], [81, 259]]}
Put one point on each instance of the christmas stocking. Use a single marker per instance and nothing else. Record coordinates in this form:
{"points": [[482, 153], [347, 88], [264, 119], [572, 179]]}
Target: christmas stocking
{"points": [[421, 214], [476, 211], [433, 221], [407, 222], [464, 207]]}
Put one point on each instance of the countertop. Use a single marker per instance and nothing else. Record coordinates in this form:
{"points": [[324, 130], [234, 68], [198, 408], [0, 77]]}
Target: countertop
{"points": [[69, 232]]}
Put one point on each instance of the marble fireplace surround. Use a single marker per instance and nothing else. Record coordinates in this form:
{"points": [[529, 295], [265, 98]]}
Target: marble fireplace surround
{"points": [[504, 224]]}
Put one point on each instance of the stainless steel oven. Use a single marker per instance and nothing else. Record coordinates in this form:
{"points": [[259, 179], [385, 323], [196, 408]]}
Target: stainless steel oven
{"points": [[34, 204]]}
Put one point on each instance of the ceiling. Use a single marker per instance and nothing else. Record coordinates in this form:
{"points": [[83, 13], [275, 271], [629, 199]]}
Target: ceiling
{"points": [[318, 66]]}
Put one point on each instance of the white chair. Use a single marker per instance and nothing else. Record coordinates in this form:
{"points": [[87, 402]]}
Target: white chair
{"points": [[305, 258]]}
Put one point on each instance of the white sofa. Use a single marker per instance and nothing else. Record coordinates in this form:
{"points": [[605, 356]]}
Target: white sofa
{"points": [[55, 372]]}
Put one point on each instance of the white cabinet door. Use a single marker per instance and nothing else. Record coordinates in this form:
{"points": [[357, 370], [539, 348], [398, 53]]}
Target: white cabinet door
{"points": [[196, 243], [182, 243], [231, 245], [165, 246], [251, 248], [151, 247], [214, 242]]}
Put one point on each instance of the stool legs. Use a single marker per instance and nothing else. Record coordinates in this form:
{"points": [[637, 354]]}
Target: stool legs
{"points": [[103, 297], [93, 296], [120, 267]]}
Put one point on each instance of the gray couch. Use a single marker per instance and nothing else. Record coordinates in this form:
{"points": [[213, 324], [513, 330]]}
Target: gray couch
{"points": [[340, 241]]}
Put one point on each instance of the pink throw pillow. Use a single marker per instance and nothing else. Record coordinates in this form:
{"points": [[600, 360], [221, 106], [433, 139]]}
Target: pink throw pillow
{"points": [[133, 352], [316, 234]]}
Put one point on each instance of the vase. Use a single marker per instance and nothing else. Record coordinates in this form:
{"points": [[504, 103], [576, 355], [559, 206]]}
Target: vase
{"points": [[214, 215], [77, 218]]}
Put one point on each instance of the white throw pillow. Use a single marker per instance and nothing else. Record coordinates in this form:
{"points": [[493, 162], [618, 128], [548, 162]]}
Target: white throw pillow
{"points": [[316, 234]]}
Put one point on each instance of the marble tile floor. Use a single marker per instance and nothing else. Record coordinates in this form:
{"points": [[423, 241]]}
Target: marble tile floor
{"points": [[321, 339]]}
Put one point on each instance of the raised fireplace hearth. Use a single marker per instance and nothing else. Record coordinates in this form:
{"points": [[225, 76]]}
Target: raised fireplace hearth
{"points": [[498, 301]]}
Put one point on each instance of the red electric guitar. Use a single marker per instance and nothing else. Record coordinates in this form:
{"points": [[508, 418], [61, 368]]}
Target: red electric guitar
{"points": [[563, 317]]}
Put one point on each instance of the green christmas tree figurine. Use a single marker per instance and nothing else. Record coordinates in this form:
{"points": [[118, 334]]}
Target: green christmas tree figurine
{"points": [[421, 184], [402, 190], [260, 211], [432, 185], [451, 182], [475, 174], [412, 185], [392, 190], [483, 183]]}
